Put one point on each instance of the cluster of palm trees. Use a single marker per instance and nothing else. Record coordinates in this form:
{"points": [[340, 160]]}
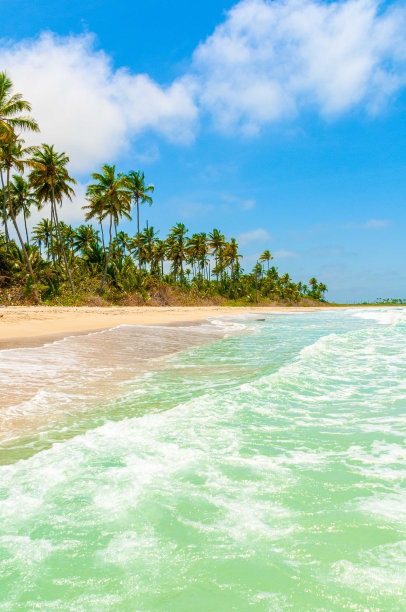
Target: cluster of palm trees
{"points": [[57, 255]]}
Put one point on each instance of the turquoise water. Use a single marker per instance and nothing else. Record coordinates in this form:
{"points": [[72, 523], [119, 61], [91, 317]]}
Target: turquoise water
{"points": [[260, 471]]}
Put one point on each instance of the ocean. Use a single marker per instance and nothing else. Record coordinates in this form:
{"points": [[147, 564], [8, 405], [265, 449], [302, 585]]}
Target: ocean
{"points": [[255, 463]]}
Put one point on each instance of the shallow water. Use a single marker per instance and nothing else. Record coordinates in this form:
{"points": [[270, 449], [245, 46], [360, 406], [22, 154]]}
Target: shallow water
{"points": [[260, 471]]}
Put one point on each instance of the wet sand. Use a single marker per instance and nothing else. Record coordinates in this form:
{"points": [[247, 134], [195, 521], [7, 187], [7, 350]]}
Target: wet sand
{"points": [[29, 326], [70, 374]]}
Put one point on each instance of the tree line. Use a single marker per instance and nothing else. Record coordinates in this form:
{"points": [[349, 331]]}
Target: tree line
{"points": [[97, 255]]}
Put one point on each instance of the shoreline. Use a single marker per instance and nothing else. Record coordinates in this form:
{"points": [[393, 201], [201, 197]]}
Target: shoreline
{"points": [[31, 326]]}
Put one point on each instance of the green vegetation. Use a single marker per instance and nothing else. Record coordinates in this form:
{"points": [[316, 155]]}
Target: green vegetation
{"points": [[60, 264], [389, 301]]}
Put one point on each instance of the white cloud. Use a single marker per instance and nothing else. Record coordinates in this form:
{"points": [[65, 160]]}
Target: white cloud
{"points": [[87, 108], [270, 59], [242, 203], [247, 204], [189, 210], [377, 223], [285, 254], [257, 235], [370, 224]]}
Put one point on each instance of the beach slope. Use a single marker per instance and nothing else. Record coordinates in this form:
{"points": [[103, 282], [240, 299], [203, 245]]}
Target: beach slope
{"points": [[34, 325]]}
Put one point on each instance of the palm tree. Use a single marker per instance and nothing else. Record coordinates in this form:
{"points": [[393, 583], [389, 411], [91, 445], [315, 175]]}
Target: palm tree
{"points": [[176, 242], [109, 197], [266, 256], [197, 248], [232, 256], [51, 179], [22, 198], [216, 243], [42, 234], [11, 107], [159, 253], [313, 284], [84, 236], [4, 199], [68, 235], [140, 195], [322, 288], [13, 155], [149, 237], [122, 240]]}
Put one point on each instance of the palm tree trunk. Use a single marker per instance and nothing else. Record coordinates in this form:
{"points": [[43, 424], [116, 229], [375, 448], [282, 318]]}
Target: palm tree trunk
{"points": [[4, 211], [102, 233], [25, 254], [25, 224], [51, 243], [149, 249], [61, 243], [108, 258], [138, 238], [54, 222]]}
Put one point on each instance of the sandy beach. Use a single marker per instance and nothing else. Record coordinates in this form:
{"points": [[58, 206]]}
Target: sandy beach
{"points": [[35, 325]]}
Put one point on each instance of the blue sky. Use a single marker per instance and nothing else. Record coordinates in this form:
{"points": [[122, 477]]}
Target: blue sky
{"points": [[283, 124]]}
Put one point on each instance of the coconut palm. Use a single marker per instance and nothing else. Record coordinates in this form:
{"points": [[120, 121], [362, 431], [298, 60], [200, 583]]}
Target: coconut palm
{"points": [[266, 256], [4, 200], [140, 195], [11, 107], [85, 235], [108, 197], [42, 233], [148, 239], [176, 242], [216, 242], [159, 254], [14, 155], [51, 180], [232, 256], [68, 235], [122, 240], [23, 199], [197, 249]]}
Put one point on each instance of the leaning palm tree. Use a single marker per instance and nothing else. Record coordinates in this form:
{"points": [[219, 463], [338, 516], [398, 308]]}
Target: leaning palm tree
{"points": [[108, 197], [51, 180], [4, 201], [11, 107], [14, 155], [140, 195]]}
